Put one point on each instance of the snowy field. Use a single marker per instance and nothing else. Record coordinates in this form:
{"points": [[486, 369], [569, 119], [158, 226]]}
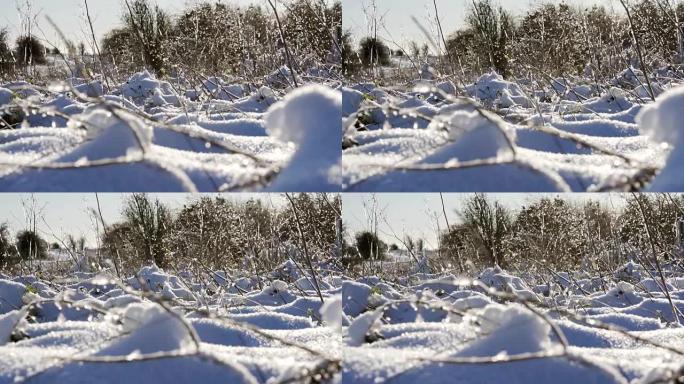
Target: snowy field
{"points": [[572, 135], [158, 327], [501, 328], [153, 135]]}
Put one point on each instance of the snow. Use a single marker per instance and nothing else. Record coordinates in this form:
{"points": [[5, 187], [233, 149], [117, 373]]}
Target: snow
{"points": [[220, 89], [147, 328], [90, 89], [309, 117], [478, 334], [356, 298], [6, 96], [88, 329], [11, 294], [492, 88], [362, 326], [662, 122], [331, 313], [110, 136], [273, 320], [509, 330], [569, 136], [422, 327], [474, 136], [351, 100], [146, 135], [281, 78], [215, 332], [8, 323], [142, 85]]}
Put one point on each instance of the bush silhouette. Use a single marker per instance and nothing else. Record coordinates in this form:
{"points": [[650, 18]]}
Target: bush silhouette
{"points": [[31, 246], [373, 51], [30, 51]]}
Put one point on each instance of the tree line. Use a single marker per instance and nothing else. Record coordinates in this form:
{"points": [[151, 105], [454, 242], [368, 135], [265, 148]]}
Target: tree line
{"points": [[213, 233], [29, 245], [551, 233], [558, 234], [548, 40], [221, 39], [216, 233]]}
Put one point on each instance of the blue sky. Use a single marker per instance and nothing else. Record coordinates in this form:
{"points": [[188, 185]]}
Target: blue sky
{"points": [[397, 14], [413, 213], [69, 15], [69, 213]]}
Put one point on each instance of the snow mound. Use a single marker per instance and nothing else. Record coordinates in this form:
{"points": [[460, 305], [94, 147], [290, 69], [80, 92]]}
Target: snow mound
{"points": [[351, 101], [629, 322], [362, 326], [219, 89], [11, 294], [307, 284], [491, 88], [91, 89], [331, 313], [6, 96], [310, 118], [288, 270], [154, 278], [474, 136], [645, 93], [276, 287], [216, 332], [630, 76], [111, 136], [281, 78], [8, 323], [447, 87], [621, 295], [501, 281], [612, 101], [630, 271], [121, 301], [663, 122], [273, 320], [143, 87], [149, 328], [511, 330], [22, 89], [359, 297]]}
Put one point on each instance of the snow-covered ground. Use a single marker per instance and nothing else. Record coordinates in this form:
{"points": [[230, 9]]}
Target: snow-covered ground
{"points": [[157, 327], [153, 135], [619, 327], [506, 136], [499, 328]]}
